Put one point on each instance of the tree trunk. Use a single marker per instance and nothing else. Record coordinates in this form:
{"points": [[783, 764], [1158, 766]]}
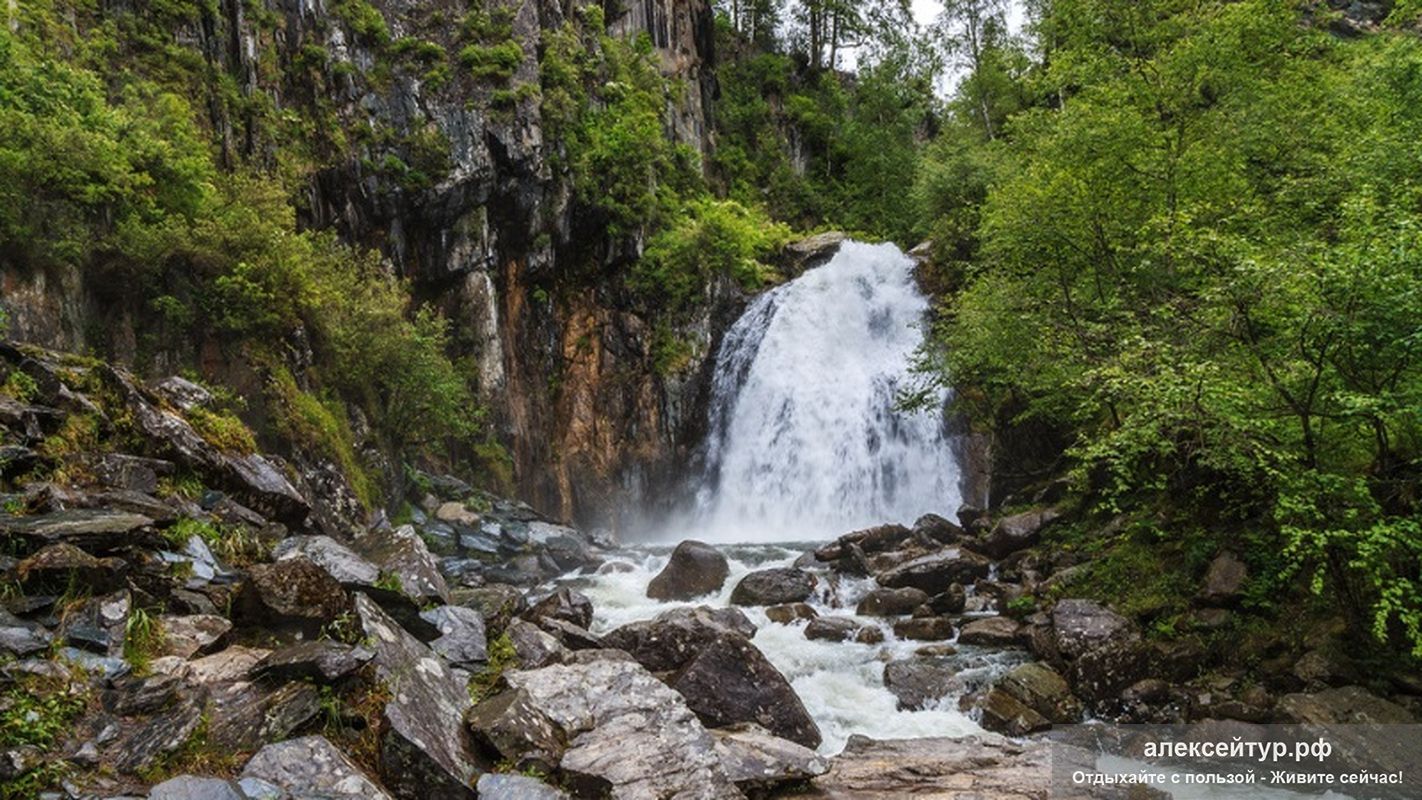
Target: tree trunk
{"points": [[816, 23]]}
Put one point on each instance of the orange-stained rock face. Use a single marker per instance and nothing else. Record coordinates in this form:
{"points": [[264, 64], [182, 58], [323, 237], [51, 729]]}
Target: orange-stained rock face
{"points": [[592, 425]]}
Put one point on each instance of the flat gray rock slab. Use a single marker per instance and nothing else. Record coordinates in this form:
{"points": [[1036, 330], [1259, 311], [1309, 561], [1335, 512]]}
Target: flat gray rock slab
{"points": [[493, 786], [192, 787], [312, 767]]}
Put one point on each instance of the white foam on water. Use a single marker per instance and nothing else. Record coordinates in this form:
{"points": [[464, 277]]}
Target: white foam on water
{"points": [[840, 683]]}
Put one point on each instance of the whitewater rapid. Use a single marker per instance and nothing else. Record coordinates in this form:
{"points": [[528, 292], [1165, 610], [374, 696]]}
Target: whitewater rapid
{"points": [[806, 435], [840, 683]]}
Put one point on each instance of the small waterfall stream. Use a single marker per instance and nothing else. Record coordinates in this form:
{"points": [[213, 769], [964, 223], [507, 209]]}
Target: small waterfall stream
{"points": [[806, 439]]}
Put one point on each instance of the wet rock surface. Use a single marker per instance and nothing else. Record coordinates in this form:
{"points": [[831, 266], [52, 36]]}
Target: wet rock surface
{"points": [[730, 681], [676, 636], [605, 726], [771, 587], [934, 572], [756, 760], [920, 681], [423, 749], [694, 569]]}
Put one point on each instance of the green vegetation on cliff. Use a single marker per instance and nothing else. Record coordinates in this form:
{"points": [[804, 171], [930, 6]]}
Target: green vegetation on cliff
{"points": [[112, 172]]}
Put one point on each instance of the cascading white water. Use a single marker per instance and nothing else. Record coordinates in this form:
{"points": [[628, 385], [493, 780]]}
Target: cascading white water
{"points": [[806, 439]]}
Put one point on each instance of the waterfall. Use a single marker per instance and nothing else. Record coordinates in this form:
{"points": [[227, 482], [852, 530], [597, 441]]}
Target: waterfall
{"points": [[805, 438]]}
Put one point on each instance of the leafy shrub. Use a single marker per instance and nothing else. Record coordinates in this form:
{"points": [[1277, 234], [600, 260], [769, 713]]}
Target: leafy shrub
{"points": [[1225, 326], [364, 20], [492, 62], [603, 99], [708, 238], [36, 712]]}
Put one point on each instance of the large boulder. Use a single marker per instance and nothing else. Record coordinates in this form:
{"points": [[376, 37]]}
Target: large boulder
{"points": [[192, 787], [731, 681], [532, 646], [255, 479], [883, 602], [497, 603], [878, 539], [423, 743], [675, 636], [349, 568], [1224, 580], [498, 786], [1030, 698], [935, 572], [294, 593], [401, 553], [812, 251], [93, 530], [1003, 713], [241, 716], [312, 767], [695, 569], [1079, 626], [99, 624], [833, 629], [1346, 705], [1017, 532], [1045, 691], [187, 636], [773, 587], [608, 728], [60, 565], [164, 718], [1099, 651], [932, 527], [950, 601], [462, 640], [924, 629], [318, 660]]}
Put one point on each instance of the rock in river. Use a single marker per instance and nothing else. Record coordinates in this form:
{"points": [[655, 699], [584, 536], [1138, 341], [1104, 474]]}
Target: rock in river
{"points": [[677, 635], [891, 602], [731, 681], [695, 569], [773, 587], [933, 573]]}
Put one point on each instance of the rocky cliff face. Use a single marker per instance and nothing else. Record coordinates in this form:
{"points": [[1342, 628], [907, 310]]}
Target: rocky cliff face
{"points": [[451, 178]]}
